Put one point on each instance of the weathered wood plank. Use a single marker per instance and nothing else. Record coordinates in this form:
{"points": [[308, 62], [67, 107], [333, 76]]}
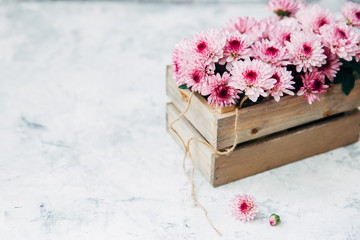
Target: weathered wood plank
{"points": [[270, 117], [274, 151], [201, 155]]}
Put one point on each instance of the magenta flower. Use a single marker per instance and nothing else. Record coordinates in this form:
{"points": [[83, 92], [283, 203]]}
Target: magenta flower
{"points": [[306, 51], [332, 65], [271, 52], [237, 47], [254, 77], [274, 219], [313, 17], [313, 83], [351, 12], [341, 39], [208, 46], [241, 25], [196, 75], [283, 8], [244, 207], [221, 93], [283, 83]]}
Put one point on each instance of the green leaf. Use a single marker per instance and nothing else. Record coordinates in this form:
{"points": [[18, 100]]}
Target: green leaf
{"points": [[183, 86], [347, 80]]}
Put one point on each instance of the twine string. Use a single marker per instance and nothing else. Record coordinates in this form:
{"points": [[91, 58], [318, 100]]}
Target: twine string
{"points": [[188, 153]]}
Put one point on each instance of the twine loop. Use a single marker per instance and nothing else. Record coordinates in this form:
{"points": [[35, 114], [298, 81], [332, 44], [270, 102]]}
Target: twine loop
{"points": [[187, 152]]}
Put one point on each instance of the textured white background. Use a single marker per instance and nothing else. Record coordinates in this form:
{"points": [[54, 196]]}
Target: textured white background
{"points": [[83, 149]]}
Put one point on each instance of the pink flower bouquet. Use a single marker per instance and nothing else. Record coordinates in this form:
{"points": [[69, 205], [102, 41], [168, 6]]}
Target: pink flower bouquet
{"points": [[301, 50]]}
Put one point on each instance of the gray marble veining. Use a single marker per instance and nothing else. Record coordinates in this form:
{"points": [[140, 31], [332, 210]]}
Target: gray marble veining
{"points": [[84, 153]]}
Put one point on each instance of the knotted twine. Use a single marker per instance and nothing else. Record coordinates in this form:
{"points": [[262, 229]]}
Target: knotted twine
{"points": [[187, 152]]}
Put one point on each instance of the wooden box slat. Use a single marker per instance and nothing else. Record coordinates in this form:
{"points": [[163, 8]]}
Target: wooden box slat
{"points": [[261, 119], [268, 152]]}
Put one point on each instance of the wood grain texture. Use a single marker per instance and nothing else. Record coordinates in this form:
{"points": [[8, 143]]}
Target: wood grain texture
{"points": [[293, 145], [261, 119], [203, 159], [272, 151]]}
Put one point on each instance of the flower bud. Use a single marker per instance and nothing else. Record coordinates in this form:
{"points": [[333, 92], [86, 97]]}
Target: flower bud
{"points": [[274, 219]]}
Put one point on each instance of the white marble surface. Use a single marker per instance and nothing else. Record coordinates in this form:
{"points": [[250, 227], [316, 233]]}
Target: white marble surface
{"points": [[83, 149]]}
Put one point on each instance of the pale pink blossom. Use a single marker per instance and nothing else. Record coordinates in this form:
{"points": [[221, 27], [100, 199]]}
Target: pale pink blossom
{"points": [[341, 39], [244, 207], [283, 30], [241, 25], [221, 93], [332, 65], [283, 8], [306, 51], [180, 58], [254, 77], [270, 52], [313, 17], [313, 84], [283, 83], [351, 12], [208, 46], [302, 5], [237, 47], [263, 28]]}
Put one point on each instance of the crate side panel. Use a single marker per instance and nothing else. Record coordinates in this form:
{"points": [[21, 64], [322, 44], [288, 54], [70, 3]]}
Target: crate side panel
{"points": [[271, 117], [201, 155], [252, 158]]}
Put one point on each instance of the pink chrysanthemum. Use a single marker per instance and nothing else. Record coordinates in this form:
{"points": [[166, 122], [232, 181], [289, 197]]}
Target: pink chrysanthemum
{"points": [[283, 30], [237, 47], [270, 52], [351, 12], [313, 17], [283, 8], [208, 46], [220, 92], [180, 60], [283, 83], [341, 40], [244, 207], [313, 83], [255, 77], [240, 24], [332, 65], [306, 51], [196, 75], [262, 29]]}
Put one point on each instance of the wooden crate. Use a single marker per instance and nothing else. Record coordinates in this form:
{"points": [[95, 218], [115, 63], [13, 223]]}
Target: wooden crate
{"points": [[258, 120], [271, 151]]}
